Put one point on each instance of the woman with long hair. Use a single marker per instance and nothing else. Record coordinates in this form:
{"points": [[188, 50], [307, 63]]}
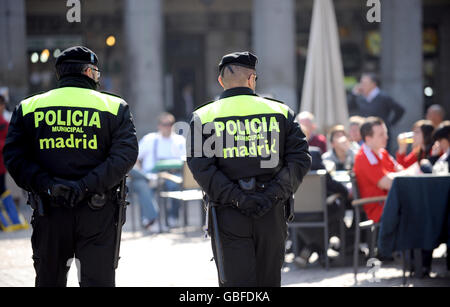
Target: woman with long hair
{"points": [[421, 146]]}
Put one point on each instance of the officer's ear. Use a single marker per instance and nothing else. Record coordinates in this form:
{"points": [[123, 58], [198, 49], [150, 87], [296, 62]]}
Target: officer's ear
{"points": [[250, 83], [91, 74], [220, 81]]}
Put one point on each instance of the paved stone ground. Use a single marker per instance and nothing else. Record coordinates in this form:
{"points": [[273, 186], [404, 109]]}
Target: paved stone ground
{"points": [[182, 259]]}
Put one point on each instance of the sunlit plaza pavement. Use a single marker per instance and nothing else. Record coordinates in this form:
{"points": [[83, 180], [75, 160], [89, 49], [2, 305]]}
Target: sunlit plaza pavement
{"points": [[182, 258]]}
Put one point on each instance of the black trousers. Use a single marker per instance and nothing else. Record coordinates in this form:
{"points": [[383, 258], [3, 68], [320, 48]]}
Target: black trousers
{"points": [[80, 233], [253, 249]]}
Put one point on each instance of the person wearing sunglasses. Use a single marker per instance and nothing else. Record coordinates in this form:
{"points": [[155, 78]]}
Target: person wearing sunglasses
{"points": [[70, 148]]}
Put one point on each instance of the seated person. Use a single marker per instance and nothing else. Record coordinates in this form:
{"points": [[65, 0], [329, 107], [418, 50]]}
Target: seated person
{"points": [[306, 119], [354, 134], [311, 240], [374, 168], [341, 156], [440, 153], [10, 218], [154, 148], [442, 138], [421, 146]]}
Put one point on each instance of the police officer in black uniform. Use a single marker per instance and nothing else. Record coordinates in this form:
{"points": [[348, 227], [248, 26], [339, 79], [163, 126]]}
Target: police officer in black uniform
{"points": [[249, 156], [71, 147]]}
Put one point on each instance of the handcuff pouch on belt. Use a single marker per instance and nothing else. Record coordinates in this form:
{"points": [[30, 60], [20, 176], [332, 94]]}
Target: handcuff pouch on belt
{"points": [[97, 201]]}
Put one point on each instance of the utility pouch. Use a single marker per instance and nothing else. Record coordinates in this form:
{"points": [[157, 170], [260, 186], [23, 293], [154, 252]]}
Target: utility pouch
{"points": [[97, 201]]}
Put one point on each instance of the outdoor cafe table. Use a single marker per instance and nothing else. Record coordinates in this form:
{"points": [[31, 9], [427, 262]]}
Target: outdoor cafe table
{"points": [[415, 214], [341, 176]]}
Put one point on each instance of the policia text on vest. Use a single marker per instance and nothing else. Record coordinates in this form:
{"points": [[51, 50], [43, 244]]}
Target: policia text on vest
{"points": [[63, 123], [65, 127], [252, 131], [239, 132]]}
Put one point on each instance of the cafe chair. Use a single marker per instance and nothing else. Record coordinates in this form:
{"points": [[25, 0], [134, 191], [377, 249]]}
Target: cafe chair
{"points": [[311, 198], [362, 223], [190, 191]]}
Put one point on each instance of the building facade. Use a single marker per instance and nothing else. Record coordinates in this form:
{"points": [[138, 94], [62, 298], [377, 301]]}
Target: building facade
{"points": [[163, 54]]}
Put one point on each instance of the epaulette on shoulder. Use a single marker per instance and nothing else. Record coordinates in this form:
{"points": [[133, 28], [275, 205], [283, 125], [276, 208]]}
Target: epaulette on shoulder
{"points": [[205, 104], [115, 95], [270, 98], [32, 95]]}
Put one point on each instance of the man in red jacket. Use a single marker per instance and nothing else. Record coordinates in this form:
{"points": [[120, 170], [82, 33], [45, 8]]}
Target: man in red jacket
{"points": [[374, 167]]}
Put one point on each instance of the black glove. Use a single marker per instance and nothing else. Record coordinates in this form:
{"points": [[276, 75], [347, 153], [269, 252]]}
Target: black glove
{"points": [[43, 184], [68, 193], [279, 189], [59, 194], [265, 204], [253, 205]]}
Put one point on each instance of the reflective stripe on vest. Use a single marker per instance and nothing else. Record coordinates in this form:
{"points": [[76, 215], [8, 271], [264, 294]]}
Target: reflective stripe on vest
{"points": [[72, 97], [242, 105]]}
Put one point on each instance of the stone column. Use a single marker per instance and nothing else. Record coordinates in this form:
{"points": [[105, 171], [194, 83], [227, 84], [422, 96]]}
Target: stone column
{"points": [[402, 59], [144, 62], [274, 43], [13, 49]]}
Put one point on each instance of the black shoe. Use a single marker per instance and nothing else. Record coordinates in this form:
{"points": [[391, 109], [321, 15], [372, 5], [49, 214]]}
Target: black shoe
{"points": [[426, 272], [302, 260]]}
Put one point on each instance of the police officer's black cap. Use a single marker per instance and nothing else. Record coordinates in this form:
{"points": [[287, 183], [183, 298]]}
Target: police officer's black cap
{"points": [[245, 59], [77, 54]]}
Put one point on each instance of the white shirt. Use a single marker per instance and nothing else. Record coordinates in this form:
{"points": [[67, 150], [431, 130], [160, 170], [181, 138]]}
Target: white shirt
{"points": [[173, 147], [374, 93], [440, 167], [370, 155], [444, 157]]}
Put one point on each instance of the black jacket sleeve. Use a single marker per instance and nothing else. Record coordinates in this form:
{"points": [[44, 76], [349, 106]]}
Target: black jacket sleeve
{"points": [[296, 157], [335, 187], [212, 180], [121, 158], [18, 160]]}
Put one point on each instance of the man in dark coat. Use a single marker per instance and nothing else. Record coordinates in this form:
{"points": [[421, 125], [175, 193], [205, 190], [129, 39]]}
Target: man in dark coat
{"points": [[368, 100]]}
